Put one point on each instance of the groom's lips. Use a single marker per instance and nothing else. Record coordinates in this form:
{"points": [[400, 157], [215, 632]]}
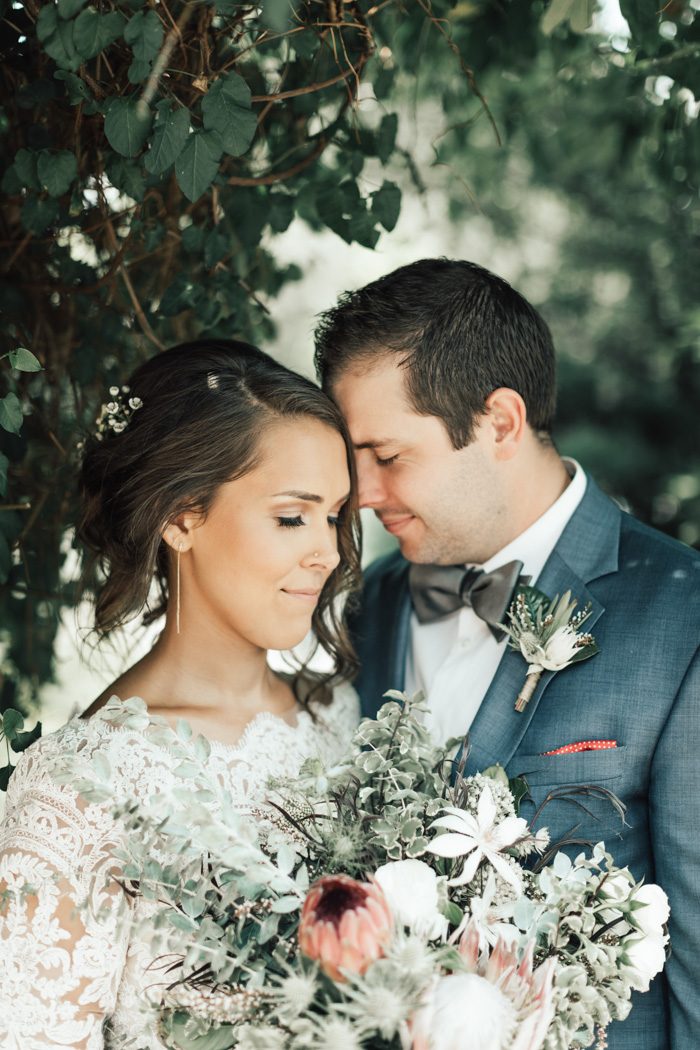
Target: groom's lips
{"points": [[396, 524]]}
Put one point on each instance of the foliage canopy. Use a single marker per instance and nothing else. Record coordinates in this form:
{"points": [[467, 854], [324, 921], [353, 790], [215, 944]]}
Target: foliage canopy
{"points": [[152, 150]]}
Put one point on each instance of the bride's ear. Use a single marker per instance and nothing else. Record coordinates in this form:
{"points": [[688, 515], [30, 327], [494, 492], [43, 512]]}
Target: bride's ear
{"points": [[178, 533]]}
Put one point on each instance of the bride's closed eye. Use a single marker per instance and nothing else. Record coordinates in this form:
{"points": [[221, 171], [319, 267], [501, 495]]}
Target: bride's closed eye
{"points": [[294, 523], [386, 462]]}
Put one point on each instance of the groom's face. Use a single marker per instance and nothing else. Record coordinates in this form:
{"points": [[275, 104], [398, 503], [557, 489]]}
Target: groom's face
{"points": [[442, 504]]}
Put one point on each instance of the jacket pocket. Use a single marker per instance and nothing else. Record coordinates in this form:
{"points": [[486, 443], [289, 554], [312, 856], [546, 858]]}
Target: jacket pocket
{"points": [[583, 767]]}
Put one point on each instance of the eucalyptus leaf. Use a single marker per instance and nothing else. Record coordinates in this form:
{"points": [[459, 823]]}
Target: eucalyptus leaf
{"points": [[76, 88], [4, 466], [198, 163], [5, 774], [171, 131], [25, 165], [386, 205], [24, 740], [70, 8], [12, 723], [57, 170], [93, 32], [144, 34], [226, 108], [5, 558], [38, 214], [127, 125], [24, 360], [11, 413]]}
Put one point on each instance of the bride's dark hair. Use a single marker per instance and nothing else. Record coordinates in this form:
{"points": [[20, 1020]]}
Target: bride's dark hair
{"points": [[205, 405]]}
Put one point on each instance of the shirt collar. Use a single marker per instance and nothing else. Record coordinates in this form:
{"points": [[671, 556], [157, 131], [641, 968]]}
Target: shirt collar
{"points": [[533, 546]]}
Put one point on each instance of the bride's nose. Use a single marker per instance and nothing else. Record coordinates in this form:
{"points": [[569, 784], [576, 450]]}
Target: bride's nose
{"points": [[325, 556]]}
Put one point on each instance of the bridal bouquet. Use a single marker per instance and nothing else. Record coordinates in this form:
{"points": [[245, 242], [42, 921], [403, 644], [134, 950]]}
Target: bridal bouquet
{"points": [[388, 903]]}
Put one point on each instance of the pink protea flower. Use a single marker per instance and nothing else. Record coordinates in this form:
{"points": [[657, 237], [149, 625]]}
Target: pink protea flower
{"points": [[345, 925], [498, 1004]]}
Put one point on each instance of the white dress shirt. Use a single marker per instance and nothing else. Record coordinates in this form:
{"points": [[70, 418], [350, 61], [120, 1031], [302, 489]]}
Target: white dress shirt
{"points": [[453, 660]]}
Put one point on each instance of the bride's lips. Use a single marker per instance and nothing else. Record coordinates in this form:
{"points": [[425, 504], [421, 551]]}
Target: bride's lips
{"points": [[309, 596], [396, 524]]}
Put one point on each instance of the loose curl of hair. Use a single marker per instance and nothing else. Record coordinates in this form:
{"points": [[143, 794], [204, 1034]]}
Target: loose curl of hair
{"points": [[205, 406]]}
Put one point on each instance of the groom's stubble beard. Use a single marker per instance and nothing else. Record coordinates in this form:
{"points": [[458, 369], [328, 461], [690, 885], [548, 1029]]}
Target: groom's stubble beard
{"points": [[464, 520]]}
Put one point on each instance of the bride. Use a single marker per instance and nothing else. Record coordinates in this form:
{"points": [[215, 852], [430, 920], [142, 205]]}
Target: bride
{"points": [[227, 481]]}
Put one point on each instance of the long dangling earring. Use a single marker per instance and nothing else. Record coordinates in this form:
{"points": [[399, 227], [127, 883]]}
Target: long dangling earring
{"points": [[177, 591]]}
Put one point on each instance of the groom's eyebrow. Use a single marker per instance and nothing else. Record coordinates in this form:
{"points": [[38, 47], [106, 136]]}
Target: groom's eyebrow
{"points": [[379, 443]]}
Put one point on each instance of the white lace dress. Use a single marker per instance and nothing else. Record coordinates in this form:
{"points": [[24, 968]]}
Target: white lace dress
{"points": [[74, 976]]}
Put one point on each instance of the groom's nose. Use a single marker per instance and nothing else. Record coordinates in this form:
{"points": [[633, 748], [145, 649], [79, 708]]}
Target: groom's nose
{"points": [[371, 485]]}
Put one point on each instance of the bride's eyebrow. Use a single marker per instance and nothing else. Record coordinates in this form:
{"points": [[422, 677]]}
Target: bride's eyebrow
{"points": [[308, 497]]}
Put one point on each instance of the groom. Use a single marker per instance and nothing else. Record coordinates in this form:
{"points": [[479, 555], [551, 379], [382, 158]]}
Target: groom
{"points": [[445, 375]]}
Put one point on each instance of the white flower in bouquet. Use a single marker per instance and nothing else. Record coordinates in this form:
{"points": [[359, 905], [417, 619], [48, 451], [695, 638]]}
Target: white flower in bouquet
{"points": [[646, 954], [465, 1012], [653, 916], [501, 1004], [478, 837], [411, 888], [555, 654], [489, 919], [645, 957]]}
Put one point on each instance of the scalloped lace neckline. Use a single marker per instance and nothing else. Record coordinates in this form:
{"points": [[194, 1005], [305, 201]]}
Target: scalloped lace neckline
{"points": [[302, 720]]}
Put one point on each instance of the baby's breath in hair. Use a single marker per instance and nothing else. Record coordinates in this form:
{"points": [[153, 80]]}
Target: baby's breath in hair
{"points": [[115, 415]]}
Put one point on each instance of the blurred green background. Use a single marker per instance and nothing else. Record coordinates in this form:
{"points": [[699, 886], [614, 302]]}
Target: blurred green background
{"points": [[555, 143]]}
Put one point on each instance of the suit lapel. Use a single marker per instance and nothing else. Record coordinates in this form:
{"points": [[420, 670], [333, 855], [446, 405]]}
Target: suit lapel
{"points": [[587, 550], [498, 728]]}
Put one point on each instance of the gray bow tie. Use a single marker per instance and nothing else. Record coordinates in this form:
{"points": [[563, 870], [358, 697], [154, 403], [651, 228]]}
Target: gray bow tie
{"points": [[438, 590]]}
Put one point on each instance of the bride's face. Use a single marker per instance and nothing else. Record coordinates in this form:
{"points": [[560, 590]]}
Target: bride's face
{"points": [[256, 565]]}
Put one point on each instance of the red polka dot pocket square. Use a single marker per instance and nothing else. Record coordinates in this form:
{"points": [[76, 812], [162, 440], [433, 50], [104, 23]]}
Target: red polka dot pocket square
{"points": [[582, 745]]}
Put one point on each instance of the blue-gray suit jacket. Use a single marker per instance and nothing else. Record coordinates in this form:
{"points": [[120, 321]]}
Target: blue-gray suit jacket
{"points": [[642, 689]]}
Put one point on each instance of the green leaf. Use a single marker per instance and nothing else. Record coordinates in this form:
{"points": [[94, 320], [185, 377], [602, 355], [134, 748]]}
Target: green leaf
{"points": [[138, 71], [25, 165], [519, 790], [5, 558], [226, 108], [24, 740], [11, 413], [171, 132], [5, 774], [93, 32], [38, 214], [643, 20], [12, 723], [386, 205], [57, 170], [386, 136], [4, 467], [70, 8], [76, 89], [181, 1035], [24, 360], [197, 165], [127, 125], [144, 34], [578, 13], [57, 37], [127, 177]]}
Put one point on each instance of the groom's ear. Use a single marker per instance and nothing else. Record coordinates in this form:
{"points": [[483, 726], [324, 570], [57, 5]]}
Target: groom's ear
{"points": [[506, 415]]}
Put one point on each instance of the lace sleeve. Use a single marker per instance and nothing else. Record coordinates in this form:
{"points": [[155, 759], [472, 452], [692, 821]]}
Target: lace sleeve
{"points": [[63, 940]]}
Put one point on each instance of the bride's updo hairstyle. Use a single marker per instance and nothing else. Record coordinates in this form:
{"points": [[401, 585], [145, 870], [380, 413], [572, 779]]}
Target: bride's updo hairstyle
{"points": [[200, 410]]}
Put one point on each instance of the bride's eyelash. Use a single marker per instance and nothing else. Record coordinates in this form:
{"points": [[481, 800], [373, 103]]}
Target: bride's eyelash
{"points": [[386, 462], [291, 523]]}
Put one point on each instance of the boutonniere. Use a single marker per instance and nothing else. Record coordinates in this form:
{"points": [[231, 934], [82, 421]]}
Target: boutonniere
{"points": [[546, 632]]}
